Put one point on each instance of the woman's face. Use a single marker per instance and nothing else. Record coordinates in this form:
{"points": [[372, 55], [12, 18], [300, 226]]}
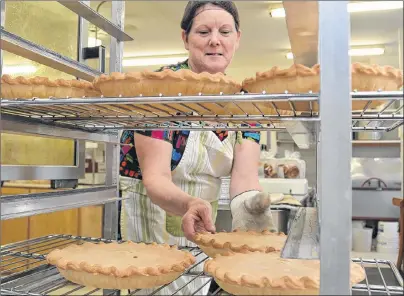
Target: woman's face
{"points": [[212, 41]]}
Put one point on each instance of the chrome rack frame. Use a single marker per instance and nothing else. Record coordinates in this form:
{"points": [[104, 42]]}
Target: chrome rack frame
{"points": [[12, 206], [198, 112], [35, 277], [100, 118]]}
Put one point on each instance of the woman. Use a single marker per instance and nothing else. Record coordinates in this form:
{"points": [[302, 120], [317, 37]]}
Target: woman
{"points": [[172, 179]]}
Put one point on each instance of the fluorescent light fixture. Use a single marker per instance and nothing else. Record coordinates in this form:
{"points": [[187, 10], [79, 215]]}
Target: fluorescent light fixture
{"points": [[353, 7], [18, 69], [92, 42], [277, 12], [289, 56], [152, 61], [374, 6], [355, 52], [361, 52]]}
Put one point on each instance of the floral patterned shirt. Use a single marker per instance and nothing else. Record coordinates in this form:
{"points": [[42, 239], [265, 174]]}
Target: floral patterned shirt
{"points": [[129, 164]]}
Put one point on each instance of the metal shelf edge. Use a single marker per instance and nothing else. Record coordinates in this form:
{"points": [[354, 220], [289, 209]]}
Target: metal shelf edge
{"points": [[29, 50], [24, 125], [97, 19], [15, 206]]}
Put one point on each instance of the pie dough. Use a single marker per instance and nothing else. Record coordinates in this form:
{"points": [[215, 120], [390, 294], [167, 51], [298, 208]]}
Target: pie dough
{"points": [[166, 82], [125, 265], [42, 87], [239, 241], [258, 273], [301, 79]]}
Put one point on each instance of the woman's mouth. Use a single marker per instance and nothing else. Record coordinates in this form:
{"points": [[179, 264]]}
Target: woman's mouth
{"points": [[213, 54]]}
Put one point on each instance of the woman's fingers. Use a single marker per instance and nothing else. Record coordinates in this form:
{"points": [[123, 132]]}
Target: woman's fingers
{"points": [[198, 219], [188, 226], [206, 215]]}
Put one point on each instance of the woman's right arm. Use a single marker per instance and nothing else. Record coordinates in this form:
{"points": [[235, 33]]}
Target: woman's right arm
{"points": [[154, 157]]}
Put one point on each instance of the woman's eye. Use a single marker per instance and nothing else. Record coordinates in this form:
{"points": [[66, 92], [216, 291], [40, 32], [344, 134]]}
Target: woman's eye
{"points": [[225, 32], [203, 32]]}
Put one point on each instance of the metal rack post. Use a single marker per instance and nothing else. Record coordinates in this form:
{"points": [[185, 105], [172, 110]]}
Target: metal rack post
{"points": [[111, 210], [2, 23], [334, 157]]}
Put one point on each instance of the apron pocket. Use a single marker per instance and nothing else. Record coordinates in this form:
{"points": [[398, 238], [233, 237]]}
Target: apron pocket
{"points": [[173, 223]]}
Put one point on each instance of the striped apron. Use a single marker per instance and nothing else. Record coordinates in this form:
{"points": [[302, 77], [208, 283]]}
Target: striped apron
{"points": [[206, 158]]}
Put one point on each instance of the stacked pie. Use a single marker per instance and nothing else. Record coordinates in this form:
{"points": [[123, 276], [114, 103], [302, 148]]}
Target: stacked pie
{"points": [[125, 265], [42, 87], [239, 241], [166, 83], [260, 273], [301, 79], [297, 79], [249, 263]]}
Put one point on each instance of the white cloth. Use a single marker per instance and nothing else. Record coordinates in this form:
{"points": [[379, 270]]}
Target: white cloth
{"points": [[206, 158], [251, 210]]}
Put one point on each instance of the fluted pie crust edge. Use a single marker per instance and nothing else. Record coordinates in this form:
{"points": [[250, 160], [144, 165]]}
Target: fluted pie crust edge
{"points": [[301, 79], [42, 87], [166, 82], [238, 241], [126, 273], [258, 273]]}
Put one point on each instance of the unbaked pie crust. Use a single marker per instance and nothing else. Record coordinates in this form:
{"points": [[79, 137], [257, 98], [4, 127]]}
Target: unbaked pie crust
{"points": [[258, 273], [301, 79], [42, 87], [239, 241], [166, 83], [125, 265]]}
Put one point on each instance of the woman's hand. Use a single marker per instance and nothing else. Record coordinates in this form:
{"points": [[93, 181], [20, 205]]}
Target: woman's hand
{"points": [[198, 218]]}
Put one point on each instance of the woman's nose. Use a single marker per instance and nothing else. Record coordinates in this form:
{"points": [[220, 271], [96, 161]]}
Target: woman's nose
{"points": [[214, 39]]}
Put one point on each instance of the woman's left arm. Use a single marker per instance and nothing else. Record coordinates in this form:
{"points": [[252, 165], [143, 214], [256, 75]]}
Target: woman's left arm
{"points": [[244, 175], [250, 207]]}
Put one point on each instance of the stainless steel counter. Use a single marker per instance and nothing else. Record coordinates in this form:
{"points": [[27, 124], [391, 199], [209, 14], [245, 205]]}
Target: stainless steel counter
{"points": [[375, 204]]}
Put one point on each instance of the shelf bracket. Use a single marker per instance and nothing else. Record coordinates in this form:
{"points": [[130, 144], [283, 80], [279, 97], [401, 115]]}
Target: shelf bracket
{"points": [[29, 50], [96, 19]]}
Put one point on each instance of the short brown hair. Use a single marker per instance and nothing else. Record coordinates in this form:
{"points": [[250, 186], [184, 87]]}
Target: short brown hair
{"points": [[193, 6]]}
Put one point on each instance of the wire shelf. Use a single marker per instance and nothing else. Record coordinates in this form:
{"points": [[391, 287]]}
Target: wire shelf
{"points": [[235, 112], [24, 272]]}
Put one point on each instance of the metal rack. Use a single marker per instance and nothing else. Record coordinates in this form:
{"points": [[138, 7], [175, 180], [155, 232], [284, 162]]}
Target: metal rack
{"points": [[36, 277], [30, 204], [200, 112], [98, 119], [15, 44]]}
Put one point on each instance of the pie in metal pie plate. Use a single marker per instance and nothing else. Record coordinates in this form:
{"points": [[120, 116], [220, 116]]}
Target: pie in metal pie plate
{"points": [[239, 241], [121, 265], [259, 273]]}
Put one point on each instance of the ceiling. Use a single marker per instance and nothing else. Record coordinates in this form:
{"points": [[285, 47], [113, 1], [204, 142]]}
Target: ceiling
{"points": [[155, 28]]}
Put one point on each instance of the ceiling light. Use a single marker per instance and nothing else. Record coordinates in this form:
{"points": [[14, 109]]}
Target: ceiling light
{"points": [[92, 42], [289, 56], [152, 61], [18, 69], [277, 12], [360, 52], [356, 52], [374, 6], [353, 7]]}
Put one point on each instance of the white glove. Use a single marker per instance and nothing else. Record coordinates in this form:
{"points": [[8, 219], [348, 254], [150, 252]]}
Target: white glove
{"points": [[251, 210]]}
